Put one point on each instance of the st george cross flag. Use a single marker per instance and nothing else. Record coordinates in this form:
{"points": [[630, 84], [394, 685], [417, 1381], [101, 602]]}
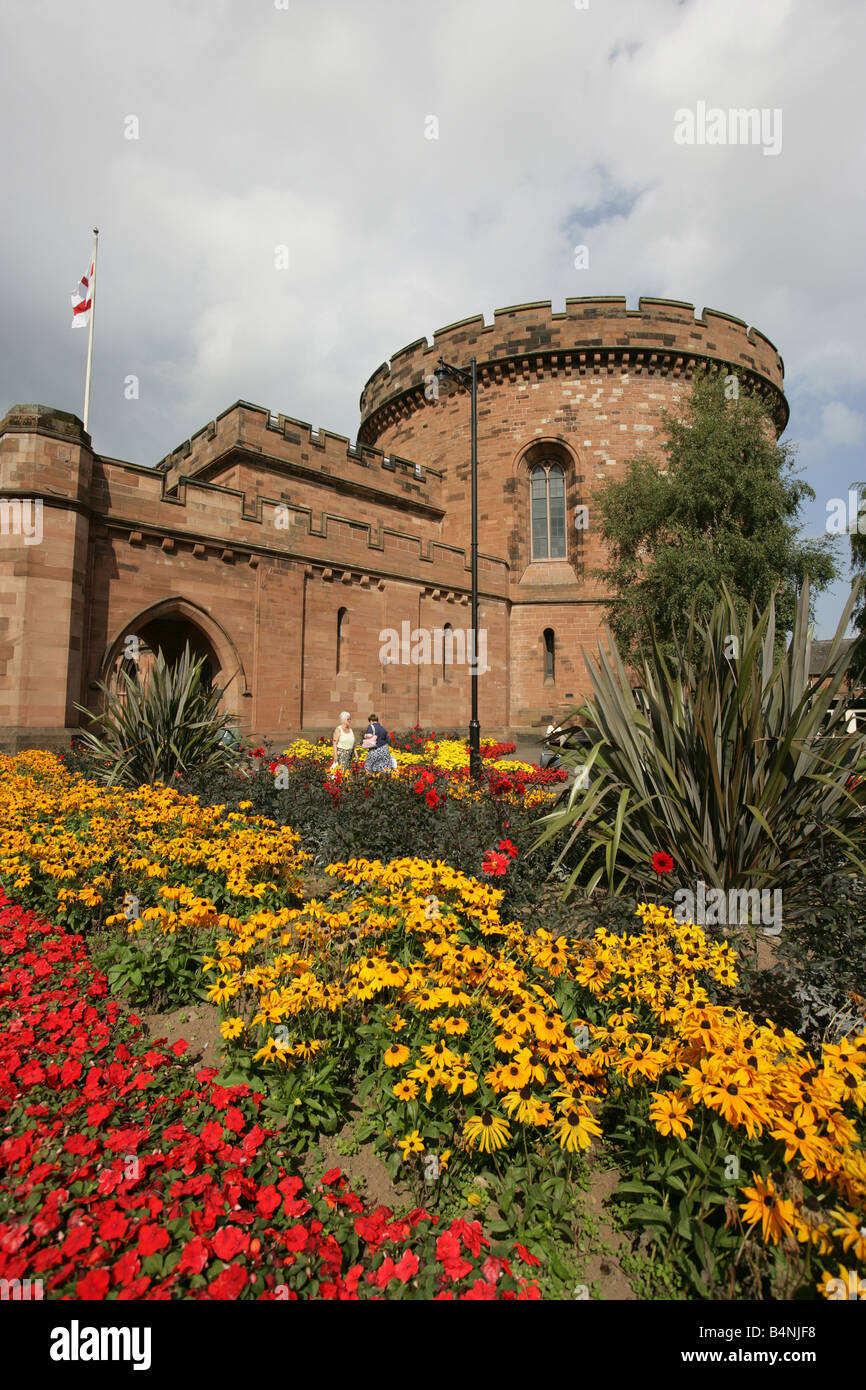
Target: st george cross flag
{"points": [[82, 300]]}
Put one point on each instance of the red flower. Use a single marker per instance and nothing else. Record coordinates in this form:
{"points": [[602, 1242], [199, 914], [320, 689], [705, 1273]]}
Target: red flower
{"points": [[93, 1285], [448, 1254], [195, 1256], [479, 1290], [228, 1284], [295, 1238], [229, 1241], [525, 1256], [77, 1240], [470, 1234], [212, 1135], [126, 1268], [494, 864], [267, 1201], [662, 862], [406, 1267], [432, 798], [151, 1239], [113, 1227], [508, 848]]}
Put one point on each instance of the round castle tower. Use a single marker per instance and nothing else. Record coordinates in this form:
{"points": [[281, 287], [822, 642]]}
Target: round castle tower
{"points": [[563, 400]]}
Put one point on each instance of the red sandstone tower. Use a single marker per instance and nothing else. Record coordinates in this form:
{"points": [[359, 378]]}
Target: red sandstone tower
{"points": [[283, 554], [564, 399]]}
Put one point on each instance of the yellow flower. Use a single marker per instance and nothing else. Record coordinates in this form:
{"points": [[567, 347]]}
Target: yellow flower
{"points": [[575, 1128], [405, 1090], [486, 1132], [670, 1113], [412, 1144], [776, 1214], [232, 1027], [851, 1232], [396, 1056]]}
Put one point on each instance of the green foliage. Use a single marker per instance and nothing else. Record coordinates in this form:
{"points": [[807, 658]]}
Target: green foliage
{"points": [[152, 971], [735, 765], [169, 726], [816, 986], [724, 510], [385, 818]]}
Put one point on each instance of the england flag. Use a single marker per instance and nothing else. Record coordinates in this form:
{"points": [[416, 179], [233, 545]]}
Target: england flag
{"points": [[82, 300]]}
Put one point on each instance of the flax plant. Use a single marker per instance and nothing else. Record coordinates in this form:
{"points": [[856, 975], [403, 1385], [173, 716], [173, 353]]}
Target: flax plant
{"points": [[170, 725], [732, 760]]}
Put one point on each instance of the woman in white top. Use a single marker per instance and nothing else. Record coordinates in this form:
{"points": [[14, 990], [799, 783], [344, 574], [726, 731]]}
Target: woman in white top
{"points": [[344, 741]]}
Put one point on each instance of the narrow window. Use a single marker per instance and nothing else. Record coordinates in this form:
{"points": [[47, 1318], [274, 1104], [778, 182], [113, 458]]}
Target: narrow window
{"points": [[340, 620], [549, 654], [447, 649]]}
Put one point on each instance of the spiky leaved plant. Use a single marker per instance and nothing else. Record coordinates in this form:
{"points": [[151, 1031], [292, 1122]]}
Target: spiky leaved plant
{"points": [[171, 724], [732, 761]]}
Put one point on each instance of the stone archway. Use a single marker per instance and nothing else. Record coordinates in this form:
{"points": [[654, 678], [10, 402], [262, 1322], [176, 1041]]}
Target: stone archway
{"points": [[168, 626]]}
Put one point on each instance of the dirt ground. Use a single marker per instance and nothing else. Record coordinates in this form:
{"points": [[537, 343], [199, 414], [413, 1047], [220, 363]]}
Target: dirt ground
{"points": [[198, 1024]]}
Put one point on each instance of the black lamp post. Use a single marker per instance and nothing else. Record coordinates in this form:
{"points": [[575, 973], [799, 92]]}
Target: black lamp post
{"points": [[470, 381]]}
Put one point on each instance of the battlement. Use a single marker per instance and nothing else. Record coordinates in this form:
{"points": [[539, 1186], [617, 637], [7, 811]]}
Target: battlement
{"points": [[281, 439], [591, 334], [44, 419]]}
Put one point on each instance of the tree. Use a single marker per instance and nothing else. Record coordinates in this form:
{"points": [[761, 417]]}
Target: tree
{"points": [[721, 509]]}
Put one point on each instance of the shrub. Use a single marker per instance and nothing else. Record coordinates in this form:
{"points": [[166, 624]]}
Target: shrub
{"points": [[169, 725], [732, 763], [817, 985]]}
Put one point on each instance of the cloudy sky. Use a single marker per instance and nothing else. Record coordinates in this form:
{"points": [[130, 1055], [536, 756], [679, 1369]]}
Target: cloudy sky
{"points": [[202, 135]]}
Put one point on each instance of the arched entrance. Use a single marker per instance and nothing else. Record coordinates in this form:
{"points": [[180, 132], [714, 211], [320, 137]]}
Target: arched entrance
{"points": [[171, 634], [167, 627]]}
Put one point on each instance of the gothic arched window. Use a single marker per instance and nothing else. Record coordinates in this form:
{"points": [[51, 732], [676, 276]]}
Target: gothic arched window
{"points": [[547, 490]]}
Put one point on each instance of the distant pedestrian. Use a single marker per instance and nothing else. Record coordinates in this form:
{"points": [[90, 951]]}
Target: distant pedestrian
{"points": [[344, 742], [376, 743]]}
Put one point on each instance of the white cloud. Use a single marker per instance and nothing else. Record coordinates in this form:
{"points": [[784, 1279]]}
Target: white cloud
{"points": [[305, 126], [841, 425]]}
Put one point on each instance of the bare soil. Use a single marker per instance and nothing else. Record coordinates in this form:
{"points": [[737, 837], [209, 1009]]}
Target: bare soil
{"points": [[197, 1024], [605, 1268]]}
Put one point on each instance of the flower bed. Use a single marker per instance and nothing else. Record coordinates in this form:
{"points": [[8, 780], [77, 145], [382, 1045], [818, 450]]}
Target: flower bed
{"points": [[128, 1176], [471, 1038], [75, 850], [476, 1046]]}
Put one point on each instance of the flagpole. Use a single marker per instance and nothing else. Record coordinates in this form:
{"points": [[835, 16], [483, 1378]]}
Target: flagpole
{"points": [[90, 331]]}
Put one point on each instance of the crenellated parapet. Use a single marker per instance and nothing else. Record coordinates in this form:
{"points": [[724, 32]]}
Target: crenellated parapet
{"points": [[279, 442], [593, 336]]}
